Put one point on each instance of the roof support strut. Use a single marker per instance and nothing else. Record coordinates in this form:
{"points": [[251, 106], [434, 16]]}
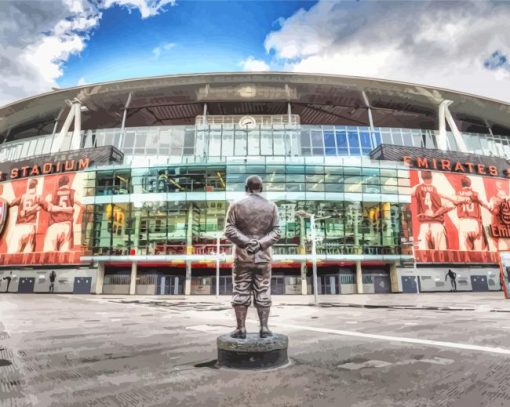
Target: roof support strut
{"points": [[446, 117], [369, 110], [74, 113], [124, 116]]}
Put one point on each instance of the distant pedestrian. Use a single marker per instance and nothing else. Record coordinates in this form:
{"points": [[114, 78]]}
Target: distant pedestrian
{"points": [[453, 277], [8, 278], [53, 276]]}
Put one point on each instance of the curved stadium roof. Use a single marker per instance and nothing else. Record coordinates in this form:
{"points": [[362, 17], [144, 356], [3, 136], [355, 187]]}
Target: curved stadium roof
{"points": [[317, 98]]}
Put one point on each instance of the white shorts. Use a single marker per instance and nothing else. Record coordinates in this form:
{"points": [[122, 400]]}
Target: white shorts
{"points": [[470, 236], [58, 237], [22, 238], [432, 236]]}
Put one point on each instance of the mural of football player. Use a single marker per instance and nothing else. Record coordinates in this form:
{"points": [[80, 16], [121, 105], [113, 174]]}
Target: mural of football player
{"points": [[4, 211], [496, 205], [430, 214], [60, 205], [469, 212], [23, 235]]}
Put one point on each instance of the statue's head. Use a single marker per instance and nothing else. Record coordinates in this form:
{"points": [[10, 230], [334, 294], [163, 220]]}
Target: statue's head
{"points": [[253, 184]]}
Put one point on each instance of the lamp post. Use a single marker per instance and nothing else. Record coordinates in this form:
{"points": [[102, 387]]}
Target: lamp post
{"points": [[218, 237], [313, 238]]}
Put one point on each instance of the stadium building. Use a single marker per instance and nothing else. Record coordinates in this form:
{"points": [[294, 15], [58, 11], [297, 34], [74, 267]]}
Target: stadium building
{"points": [[123, 187]]}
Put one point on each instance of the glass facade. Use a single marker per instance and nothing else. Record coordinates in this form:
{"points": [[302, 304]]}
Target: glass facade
{"points": [[177, 210], [177, 143]]}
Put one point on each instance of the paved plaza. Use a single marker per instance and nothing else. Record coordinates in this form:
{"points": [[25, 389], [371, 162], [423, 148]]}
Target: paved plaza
{"points": [[359, 350]]}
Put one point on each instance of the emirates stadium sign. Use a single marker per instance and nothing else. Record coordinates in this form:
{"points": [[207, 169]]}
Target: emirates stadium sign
{"points": [[445, 164], [47, 168], [71, 161], [438, 160]]}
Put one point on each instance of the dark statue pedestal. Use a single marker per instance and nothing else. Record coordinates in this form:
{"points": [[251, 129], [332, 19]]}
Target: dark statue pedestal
{"points": [[253, 352]]}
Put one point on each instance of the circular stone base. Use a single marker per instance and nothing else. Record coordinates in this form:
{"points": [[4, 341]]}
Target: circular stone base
{"points": [[253, 352]]}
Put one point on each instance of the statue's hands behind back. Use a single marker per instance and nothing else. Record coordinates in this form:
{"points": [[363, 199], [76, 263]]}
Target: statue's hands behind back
{"points": [[253, 246]]}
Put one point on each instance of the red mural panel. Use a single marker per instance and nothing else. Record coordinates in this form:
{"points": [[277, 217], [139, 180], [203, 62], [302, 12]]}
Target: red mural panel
{"points": [[459, 218], [40, 220]]}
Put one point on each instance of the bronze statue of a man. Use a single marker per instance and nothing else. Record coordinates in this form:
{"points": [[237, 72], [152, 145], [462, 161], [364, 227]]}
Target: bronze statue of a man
{"points": [[253, 226]]}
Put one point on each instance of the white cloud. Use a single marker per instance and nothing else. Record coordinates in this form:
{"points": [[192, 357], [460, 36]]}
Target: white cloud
{"points": [[147, 8], [161, 49], [38, 37], [444, 44], [82, 81], [254, 65]]}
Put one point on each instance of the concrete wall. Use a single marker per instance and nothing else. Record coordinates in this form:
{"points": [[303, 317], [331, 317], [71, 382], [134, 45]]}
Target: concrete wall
{"points": [[116, 289], [64, 282], [348, 288], [146, 289], [368, 288], [433, 279]]}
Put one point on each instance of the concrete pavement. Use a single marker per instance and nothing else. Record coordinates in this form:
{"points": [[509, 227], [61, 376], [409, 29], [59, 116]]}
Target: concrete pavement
{"points": [[458, 300], [63, 350]]}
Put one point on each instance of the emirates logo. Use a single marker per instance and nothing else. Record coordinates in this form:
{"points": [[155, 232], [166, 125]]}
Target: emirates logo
{"points": [[504, 212]]}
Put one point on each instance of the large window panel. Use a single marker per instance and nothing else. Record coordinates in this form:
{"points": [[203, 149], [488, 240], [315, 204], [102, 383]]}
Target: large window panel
{"points": [[140, 141], [275, 173], [386, 137], [153, 141], [189, 142], [377, 138], [281, 143], [366, 144], [215, 142], [341, 142], [354, 146], [240, 142], [254, 142], [329, 142], [317, 142], [306, 147], [177, 142], [129, 142], [227, 148]]}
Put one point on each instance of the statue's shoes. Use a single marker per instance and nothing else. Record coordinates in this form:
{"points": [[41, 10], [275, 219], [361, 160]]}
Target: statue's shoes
{"points": [[265, 333], [239, 334]]}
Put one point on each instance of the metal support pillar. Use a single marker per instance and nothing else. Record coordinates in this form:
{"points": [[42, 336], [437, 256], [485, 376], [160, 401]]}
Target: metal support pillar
{"points": [[304, 283], [123, 123], [187, 283], [302, 251], [218, 264], [394, 278], [489, 127], [369, 110], [74, 114], [314, 260], [76, 137], [99, 279], [205, 114], [59, 139], [441, 137], [189, 250], [132, 282], [359, 278], [457, 135], [445, 116]]}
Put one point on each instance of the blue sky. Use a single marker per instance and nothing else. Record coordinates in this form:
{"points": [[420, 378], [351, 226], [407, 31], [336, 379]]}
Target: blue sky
{"points": [[199, 36], [459, 45]]}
